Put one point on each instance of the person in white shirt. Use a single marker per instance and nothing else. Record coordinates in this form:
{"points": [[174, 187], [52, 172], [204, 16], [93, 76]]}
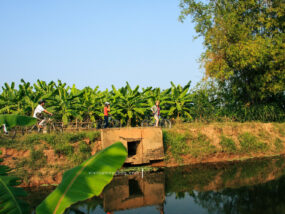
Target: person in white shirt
{"points": [[38, 113]]}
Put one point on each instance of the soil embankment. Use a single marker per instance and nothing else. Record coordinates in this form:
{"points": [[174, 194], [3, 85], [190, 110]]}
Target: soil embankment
{"points": [[42, 159]]}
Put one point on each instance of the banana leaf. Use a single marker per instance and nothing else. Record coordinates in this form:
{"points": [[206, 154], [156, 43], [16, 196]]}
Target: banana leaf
{"points": [[12, 120], [86, 180], [9, 202], [9, 195]]}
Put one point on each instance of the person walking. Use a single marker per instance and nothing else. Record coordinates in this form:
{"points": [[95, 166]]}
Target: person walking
{"points": [[156, 112], [106, 114], [38, 113]]}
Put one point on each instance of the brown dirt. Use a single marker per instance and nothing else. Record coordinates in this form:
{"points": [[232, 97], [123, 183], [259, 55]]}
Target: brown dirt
{"points": [[56, 165]]}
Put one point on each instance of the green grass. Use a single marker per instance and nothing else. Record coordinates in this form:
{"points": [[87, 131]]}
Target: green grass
{"points": [[176, 143], [70, 145], [201, 146], [228, 145], [280, 128], [279, 146], [83, 152], [184, 143], [250, 143]]}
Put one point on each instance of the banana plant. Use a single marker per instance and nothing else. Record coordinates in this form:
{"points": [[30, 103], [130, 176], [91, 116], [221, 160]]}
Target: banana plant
{"points": [[129, 104], [65, 102], [162, 96], [180, 101], [92, 103], [78, 184], [10, 195], [86, 180], [9, 99]]}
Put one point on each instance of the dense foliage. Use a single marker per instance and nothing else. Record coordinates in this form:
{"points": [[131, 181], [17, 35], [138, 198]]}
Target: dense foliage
{"points": [[245, 53], [203, 102]]}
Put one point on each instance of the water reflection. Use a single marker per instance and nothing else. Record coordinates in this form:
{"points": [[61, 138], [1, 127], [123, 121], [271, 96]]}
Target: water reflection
{"points": [[236, 188], [130, 192]]}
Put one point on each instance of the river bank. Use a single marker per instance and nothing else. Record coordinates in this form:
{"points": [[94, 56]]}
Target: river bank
{"points": [[41, 159]]}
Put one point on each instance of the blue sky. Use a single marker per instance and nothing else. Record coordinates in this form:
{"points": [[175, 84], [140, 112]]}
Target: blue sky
{"points": [[92, 42]]}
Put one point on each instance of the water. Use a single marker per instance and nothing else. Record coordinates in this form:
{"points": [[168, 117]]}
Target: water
{"points": [[235, 188]]}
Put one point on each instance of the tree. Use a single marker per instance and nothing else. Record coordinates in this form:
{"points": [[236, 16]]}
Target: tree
{"points": [[245, 48]]}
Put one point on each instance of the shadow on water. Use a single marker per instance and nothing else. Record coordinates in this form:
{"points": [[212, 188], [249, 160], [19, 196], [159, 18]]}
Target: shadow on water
{"points": [[255, 186]]}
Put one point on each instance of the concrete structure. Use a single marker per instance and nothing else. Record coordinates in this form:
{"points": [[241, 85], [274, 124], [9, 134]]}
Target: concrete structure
{"points": [[143, 144], [130, 192]]}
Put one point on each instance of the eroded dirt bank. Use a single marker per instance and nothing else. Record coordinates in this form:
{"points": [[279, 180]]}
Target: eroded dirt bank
{"points": [[40, 160]]}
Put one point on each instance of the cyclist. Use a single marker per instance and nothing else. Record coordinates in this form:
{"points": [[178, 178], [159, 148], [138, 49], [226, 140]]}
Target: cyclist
{"points": [[38, 113], [106, 114], [156, 112]]}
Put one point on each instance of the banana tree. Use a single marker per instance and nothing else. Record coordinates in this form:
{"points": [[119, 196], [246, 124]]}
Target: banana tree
{"points": [[162, 96], [30, 98], [9, 99], [65, 102], [180, 101], [129, 104]]}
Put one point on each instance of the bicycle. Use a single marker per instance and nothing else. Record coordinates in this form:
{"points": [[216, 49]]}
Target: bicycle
{"points": [[48, 126], [163, 123]]}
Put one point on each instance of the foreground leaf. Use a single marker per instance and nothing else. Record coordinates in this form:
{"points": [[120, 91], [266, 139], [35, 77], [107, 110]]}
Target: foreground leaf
{"points": [[85, 180], [9, 202], [12, 120]]}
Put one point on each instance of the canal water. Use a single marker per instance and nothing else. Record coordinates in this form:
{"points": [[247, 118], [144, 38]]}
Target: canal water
{"points": [[250, 187]]}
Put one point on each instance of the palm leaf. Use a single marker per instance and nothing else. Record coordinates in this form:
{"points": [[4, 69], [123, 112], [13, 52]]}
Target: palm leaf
{"points": [[85, 180]]}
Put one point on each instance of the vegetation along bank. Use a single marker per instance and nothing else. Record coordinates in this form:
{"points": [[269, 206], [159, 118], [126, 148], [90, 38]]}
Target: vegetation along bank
{"points": [[42, 158]]}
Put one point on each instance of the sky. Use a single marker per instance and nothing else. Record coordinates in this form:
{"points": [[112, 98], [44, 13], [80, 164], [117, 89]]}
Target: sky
{"points": [[98, 42]]}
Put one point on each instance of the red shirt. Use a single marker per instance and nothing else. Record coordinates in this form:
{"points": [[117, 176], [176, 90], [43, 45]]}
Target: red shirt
{"points": [[106, 110]]}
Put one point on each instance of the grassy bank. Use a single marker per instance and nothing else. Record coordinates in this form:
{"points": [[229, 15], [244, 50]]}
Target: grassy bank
{"points": [[42, 158], [195, 142]]}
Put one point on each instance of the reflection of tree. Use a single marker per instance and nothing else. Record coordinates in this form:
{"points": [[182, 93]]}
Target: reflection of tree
{"points": [[89, 206], [266, 198], [180, 195], [213, 177]]}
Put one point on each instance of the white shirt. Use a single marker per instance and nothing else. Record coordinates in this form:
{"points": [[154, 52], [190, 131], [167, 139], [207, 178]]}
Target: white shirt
{"points": [[38, 110]]}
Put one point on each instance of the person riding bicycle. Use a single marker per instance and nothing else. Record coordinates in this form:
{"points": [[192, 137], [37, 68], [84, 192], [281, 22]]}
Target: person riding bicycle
{"points": [[106, 114], [38, 113], [156, 112]]}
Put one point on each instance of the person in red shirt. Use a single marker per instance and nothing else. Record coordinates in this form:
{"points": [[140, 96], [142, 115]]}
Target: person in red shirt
{"points": [[106, 114]]}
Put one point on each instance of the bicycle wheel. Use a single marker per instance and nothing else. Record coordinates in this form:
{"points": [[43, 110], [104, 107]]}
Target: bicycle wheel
{"points": [[10, 135], [165, 123], [115, 123], [145, 123]]}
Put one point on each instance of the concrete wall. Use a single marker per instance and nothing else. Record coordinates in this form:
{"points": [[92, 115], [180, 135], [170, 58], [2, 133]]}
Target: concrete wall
{"points": [[149, 142]]}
